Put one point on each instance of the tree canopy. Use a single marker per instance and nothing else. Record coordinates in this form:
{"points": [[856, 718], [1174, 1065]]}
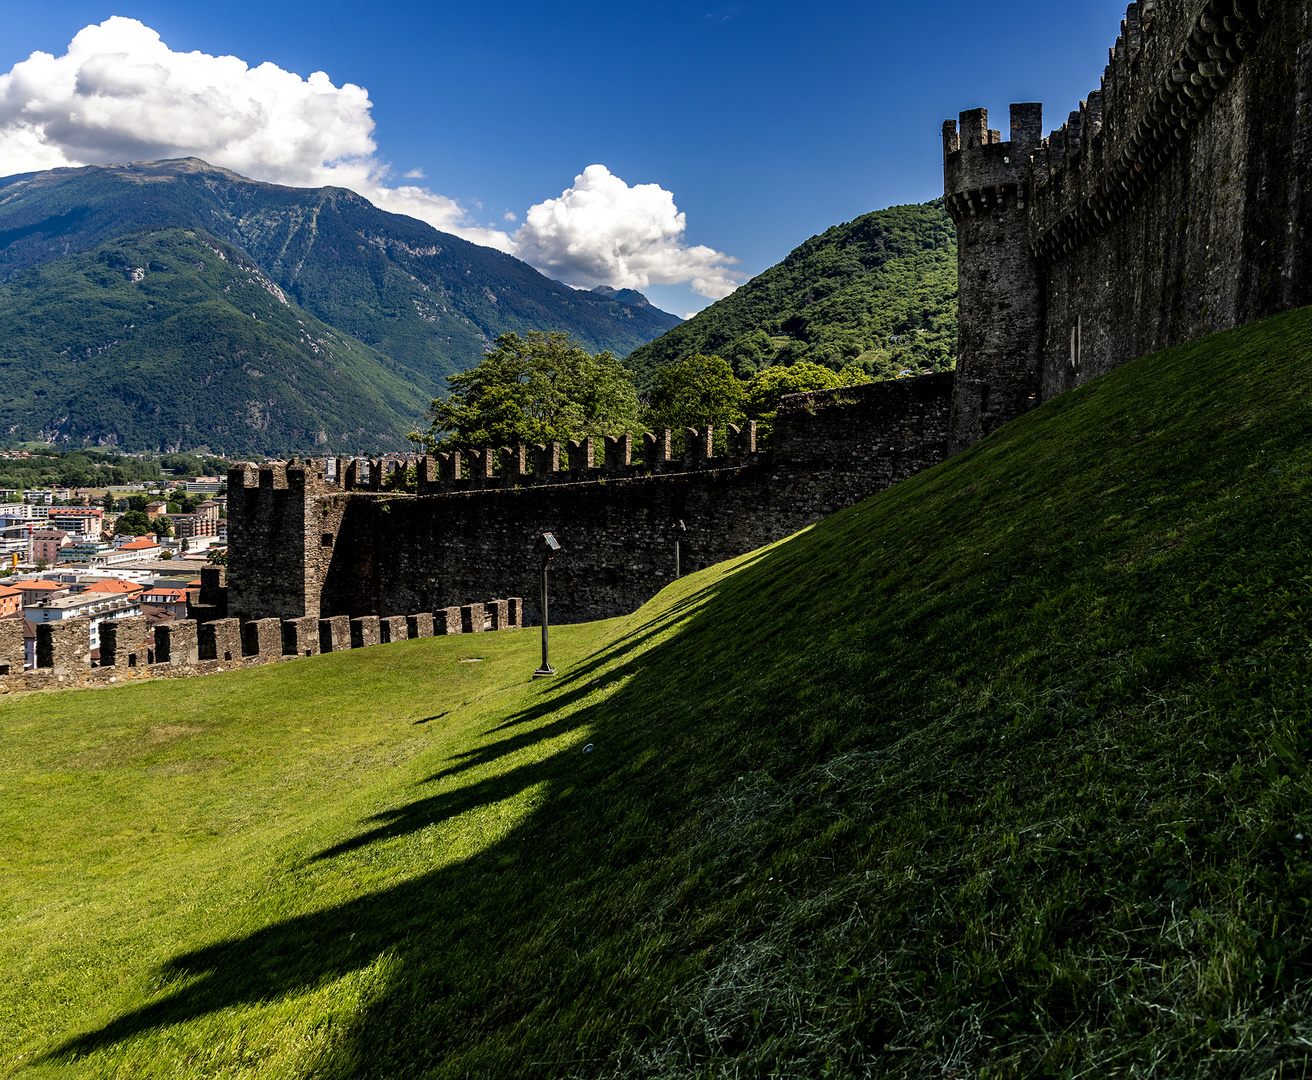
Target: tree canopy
{"points": [[533, 389], [764, 389], [696, 391]]}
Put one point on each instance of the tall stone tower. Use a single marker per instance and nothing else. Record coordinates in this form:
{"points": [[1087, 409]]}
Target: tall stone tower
{"points": [[987, 184]]}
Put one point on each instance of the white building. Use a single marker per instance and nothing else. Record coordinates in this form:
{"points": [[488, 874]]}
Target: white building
{"points": [[96, 607]]}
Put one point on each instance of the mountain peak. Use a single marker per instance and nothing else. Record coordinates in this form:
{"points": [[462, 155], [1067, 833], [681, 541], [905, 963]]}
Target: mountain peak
{"points": [[625, 296]]}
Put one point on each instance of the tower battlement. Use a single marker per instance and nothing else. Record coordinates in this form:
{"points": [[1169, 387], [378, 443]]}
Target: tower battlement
{"points": [[980, 171], [987, 184]]}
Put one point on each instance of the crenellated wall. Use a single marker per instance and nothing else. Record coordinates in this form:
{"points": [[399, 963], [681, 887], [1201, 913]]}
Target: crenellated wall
{"points": [[1173, 202], [360, 550], [131, 649]]}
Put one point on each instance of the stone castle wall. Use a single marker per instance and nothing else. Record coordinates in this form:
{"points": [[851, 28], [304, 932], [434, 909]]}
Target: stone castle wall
{"points": [[301, 545], [1172, 203], [209, 643]]}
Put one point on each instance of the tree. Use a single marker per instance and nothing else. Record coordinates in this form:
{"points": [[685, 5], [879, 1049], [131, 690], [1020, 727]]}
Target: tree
{"points": [[694, 392], [217, 557], [532, 390], [133, 523], [765, 388], [161, 526], [405, 479]]}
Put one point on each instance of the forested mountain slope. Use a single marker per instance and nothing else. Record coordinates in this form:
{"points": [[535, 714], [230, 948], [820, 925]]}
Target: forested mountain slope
{"points": [[880, 291], [176, 340], [424, 298]]}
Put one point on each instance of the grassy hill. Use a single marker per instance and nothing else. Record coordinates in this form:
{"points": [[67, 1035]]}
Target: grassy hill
{"points": [[1003, 772], [880, 291], [173, 340], [425, 298]]}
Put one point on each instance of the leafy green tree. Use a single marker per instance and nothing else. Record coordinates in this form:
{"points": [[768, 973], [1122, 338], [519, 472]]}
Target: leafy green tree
{"points": [[186, 465], [532, 390], [133, 523], [765, 388], [161, 526], [696, 391], [406, 479], [217, 557]]}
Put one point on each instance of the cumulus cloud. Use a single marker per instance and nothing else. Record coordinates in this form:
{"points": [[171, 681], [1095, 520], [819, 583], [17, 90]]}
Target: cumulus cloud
{"points": [[121, 94], [601, 231]]}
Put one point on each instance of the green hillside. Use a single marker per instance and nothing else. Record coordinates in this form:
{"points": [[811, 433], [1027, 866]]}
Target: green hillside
{"points": [[176, 340], [880, 290], [424, 298], [1001, 773]]}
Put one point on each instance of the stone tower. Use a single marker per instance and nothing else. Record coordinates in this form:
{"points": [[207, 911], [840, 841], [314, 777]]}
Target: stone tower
{"points": [[987, 184], [281, 534]]}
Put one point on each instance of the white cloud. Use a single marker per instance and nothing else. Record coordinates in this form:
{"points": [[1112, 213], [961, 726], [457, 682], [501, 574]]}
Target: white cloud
{"points": [[601, 231], [121, 94], [510, 215]]}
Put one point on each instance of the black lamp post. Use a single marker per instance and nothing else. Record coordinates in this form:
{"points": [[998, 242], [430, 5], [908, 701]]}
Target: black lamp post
{"points": [[547, 546], [678, 528]]}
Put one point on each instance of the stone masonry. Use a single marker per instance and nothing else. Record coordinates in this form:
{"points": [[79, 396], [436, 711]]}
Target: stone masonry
{"points": [[131, 650], [1174, 202], [364, 553]]}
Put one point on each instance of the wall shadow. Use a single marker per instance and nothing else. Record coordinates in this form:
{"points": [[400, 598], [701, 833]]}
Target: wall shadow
{"points": [[514, 889]]}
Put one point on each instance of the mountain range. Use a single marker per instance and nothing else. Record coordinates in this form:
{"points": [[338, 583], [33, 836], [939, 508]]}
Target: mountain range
{"points": [[352, 317]]}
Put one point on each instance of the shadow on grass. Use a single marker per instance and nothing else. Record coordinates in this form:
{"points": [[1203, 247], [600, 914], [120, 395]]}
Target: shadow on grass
{"points": [[461, 913], [584, 924]]}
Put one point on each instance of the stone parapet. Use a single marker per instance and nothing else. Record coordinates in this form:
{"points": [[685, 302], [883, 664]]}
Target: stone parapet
{"points": [[365, 631], [132, 650], [177, 643], [335, 634], [300, 637]]}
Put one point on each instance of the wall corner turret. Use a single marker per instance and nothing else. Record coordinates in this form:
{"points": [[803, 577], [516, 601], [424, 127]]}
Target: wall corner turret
{"points": [[987, 185]]}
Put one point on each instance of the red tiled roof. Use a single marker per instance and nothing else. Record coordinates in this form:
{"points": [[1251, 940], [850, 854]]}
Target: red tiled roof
{"points": [[139, 545], [113, 585]]}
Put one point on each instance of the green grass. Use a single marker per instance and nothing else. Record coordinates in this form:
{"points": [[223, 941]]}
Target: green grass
{"points": [[1002, 773]]}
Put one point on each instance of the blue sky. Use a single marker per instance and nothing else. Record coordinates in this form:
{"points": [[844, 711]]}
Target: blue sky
{"points": [[764, 122]]}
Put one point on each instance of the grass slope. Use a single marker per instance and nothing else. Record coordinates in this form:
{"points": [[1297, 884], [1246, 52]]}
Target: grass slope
{"points": [[1002, 773], [879, 291], [174, 339]]}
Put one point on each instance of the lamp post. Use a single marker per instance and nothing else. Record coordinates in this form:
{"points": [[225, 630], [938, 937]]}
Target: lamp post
{"points": [[547, 546], [678, 528]]}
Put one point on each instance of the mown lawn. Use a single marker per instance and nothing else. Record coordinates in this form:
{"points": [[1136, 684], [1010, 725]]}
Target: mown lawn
{"points": [[1000, 773]]}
